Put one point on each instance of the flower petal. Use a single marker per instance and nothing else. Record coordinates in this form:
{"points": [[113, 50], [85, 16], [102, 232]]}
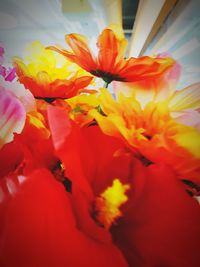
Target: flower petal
{"points": [[188, 98], [65, 135], [161, 228], [79, 45], [111, 50], [38, 228], [144, 67], [188, 117], [12, 116], [81, 53], [24, 95]]}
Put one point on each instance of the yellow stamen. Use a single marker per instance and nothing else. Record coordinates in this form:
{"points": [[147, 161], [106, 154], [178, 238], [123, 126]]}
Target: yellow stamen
{"points": [[109, 202]]}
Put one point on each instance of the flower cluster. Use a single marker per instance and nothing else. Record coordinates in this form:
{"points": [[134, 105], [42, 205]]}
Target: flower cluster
{"points": [[94, 178]]}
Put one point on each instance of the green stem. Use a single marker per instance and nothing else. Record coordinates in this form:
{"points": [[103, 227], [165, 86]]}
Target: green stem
{"points": [[106, 85]]}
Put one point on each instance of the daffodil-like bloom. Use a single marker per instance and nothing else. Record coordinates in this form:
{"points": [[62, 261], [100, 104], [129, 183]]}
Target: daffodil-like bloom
{"points": [[150, 130], [110, 63], [49, 76]]}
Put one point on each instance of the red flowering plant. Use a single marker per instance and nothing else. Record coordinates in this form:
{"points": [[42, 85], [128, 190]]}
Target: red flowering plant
{"points": [[94, 179]]}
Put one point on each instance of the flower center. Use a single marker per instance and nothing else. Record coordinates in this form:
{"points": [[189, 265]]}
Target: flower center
{"points": [[107, 205], [107, 76]]}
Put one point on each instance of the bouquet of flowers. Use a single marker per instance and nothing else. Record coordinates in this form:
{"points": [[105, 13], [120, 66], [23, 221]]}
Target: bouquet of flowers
{"points": [[93, 175]]}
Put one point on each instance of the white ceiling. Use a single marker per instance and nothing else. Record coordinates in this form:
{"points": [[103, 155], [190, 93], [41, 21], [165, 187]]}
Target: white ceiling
{"points": [[24, 21]]}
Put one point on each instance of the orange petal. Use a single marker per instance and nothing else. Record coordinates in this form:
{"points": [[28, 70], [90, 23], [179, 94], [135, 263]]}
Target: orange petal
{"points": [[145, 67], [108, 50], [79, 45], [65, 53], [82, 82]]}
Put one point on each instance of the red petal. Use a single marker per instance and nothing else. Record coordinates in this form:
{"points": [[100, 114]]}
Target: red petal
{"points": [[66, 139], [11, 156], [161, 227], [38, 228]]}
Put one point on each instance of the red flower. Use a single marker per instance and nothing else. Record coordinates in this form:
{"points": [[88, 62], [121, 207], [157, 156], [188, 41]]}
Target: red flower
{"points": [[43, 225], [39, 228], [159, 225]]}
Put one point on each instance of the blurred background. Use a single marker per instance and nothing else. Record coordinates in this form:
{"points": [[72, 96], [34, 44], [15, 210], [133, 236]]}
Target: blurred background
{"points": [[151, 26]]}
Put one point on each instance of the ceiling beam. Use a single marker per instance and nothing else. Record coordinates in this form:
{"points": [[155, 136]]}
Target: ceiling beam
{"points": [[149, 18]]}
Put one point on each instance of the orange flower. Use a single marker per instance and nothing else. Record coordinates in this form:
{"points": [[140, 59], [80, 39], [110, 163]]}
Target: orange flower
{"points": [[110, 63], [48, 77]]}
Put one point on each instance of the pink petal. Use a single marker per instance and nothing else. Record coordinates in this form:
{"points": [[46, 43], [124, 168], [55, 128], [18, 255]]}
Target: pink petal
{"points": [[188, 117], [19, 91], [11, 74], [12, 116]]}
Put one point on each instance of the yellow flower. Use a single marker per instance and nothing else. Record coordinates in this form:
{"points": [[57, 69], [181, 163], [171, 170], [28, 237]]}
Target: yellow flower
{"points": [[79, 107], [49, 75]]}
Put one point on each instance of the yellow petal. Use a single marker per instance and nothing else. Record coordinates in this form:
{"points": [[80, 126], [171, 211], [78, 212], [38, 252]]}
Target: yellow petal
{"points": [[189, 138]]}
